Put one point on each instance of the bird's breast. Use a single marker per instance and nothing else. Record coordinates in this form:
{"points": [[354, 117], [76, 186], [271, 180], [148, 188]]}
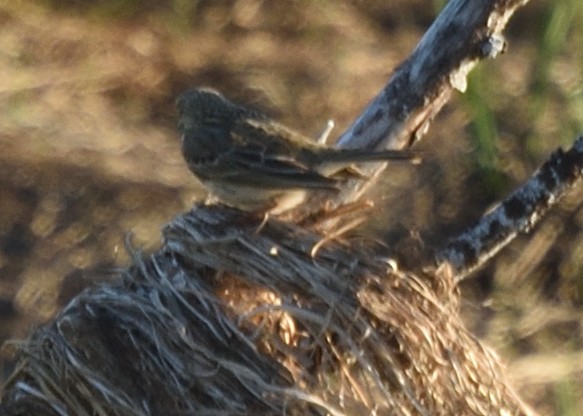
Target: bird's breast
{"points": [[251, 198]]}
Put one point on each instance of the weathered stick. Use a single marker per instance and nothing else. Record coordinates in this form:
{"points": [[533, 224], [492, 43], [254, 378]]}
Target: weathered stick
{"points": [[518, 213], [464, 33]]}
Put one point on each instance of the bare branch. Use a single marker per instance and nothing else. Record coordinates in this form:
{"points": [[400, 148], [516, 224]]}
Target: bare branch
{"points": [[521, 211], [464, 33]]}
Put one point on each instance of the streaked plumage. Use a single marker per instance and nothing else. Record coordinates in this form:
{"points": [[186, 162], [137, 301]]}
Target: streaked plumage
{"points": [[251, 162]]}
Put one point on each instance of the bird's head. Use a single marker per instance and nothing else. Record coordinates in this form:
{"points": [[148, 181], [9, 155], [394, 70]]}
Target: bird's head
{"points": [[200, 106]]}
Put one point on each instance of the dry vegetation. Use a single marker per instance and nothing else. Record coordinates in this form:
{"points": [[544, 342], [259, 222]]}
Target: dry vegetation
{"points": [[88, 150]]}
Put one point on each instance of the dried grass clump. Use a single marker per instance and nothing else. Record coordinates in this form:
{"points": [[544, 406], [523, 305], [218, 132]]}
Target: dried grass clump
{"points": [[229, 318]]}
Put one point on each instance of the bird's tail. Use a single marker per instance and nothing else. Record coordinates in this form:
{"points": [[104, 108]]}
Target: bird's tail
{"points": [[357, 155]]}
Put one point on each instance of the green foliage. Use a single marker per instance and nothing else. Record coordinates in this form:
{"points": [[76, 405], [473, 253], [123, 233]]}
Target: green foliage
{"points": [[484, 126], [553, 108], [567, 397], [484, 134], [560, 42]]}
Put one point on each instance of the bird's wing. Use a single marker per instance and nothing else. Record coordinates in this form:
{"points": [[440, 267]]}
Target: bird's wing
{"points": [[256, 157], [250, 166], [271, 175]]}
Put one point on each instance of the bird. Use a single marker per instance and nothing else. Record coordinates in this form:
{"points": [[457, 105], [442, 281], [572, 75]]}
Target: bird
{"points": [[248, 161]]}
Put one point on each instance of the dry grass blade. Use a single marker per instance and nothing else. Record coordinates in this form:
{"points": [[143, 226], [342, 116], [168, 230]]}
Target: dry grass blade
{"points": [[219, 323]]}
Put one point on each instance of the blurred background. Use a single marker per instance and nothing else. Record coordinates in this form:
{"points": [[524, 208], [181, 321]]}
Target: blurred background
{"points": [[89, 154]]}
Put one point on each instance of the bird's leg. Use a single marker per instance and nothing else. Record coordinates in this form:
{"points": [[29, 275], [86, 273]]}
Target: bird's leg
{"points": [[266, 216], [323, 138], [355, 172], [335, 234], [211, 199], [327, 214]]}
